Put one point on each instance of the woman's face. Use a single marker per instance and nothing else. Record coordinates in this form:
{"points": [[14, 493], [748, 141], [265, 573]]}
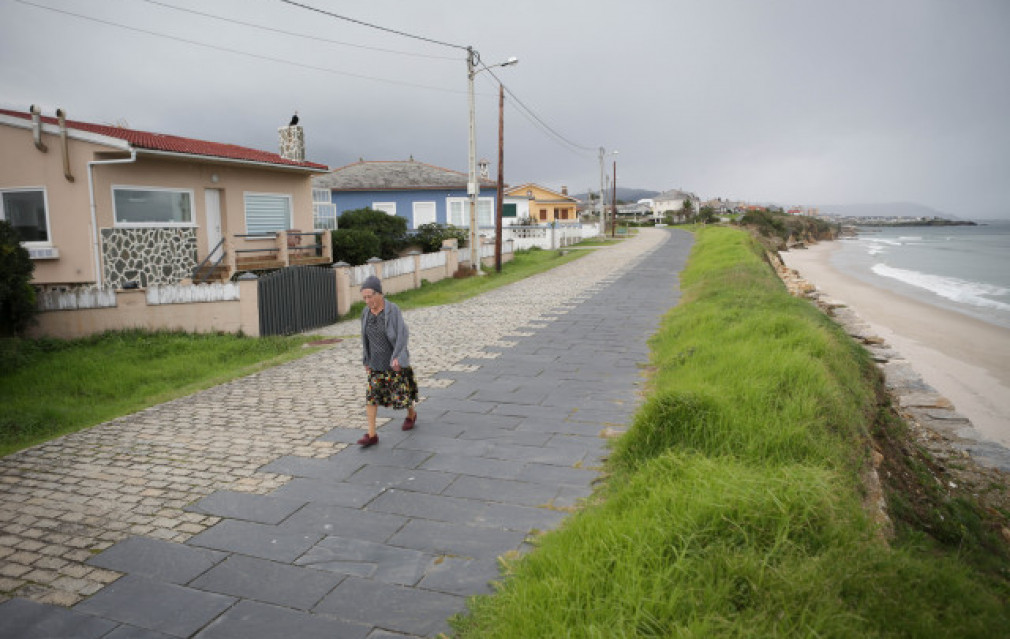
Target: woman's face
{"points": [[372, 299]]}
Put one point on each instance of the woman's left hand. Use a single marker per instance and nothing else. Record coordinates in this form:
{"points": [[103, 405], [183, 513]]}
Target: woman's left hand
{"points": [[396, 365]]}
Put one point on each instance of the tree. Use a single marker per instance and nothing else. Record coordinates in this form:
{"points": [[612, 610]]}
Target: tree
{"points": [[354, 246], [687, 210], [390, 229], [17, 297]]}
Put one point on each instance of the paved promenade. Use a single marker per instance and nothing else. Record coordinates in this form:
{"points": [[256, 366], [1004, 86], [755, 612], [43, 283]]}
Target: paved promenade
{"points": [[244, 511]]}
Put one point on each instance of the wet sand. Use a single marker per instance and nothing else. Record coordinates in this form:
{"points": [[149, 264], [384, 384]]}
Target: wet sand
{"points": [[964, 359]]}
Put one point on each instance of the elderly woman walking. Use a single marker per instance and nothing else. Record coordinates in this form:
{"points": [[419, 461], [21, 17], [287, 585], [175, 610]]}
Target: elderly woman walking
{"points": [[384, 337]]}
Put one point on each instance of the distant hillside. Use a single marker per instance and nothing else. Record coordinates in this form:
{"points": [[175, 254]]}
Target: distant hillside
{"points": [[624, 194], [893, 209]]}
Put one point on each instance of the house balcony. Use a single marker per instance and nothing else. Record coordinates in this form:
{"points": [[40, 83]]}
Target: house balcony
{"points": [[260, 253]]}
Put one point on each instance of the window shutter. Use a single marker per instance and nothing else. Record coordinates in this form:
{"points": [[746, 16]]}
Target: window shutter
{"points": [[267, 213]]}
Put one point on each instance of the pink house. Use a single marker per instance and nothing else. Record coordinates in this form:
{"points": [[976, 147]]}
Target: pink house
{"points": [[111, 208]]}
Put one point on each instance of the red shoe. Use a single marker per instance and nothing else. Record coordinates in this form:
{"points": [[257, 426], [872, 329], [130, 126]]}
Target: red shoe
{"points": [[368, 440], [409, 422]]}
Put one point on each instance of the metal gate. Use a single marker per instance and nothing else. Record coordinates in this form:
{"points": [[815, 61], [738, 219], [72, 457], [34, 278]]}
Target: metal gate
{"points": [[297, 298]]}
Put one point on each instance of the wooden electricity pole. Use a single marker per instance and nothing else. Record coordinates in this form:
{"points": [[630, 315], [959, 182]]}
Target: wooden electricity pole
{"points": [[613, 210], [501, 178]]}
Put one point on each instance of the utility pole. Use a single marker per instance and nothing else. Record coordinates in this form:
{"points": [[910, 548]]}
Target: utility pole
{"points": [[473, 185], [603, 225], [613, 212], [501, 178]]}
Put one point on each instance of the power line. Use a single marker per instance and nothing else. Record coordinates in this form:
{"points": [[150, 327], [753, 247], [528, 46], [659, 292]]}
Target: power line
{"points": [[235, 51], [297, 35], [373, 26], [533, 117]]}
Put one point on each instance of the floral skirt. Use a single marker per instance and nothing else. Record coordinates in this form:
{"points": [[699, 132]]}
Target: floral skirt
{"points": [[392, 389]]}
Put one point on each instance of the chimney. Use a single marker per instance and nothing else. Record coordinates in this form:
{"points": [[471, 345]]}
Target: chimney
{"points": [[292, 139], [564, 190]]}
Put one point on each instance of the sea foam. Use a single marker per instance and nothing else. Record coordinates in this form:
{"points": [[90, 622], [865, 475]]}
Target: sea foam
{"points": [[952, 288]]}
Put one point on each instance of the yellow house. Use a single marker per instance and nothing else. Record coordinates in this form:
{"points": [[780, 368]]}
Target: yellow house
{"points": [[110, 207], [542, 205]]}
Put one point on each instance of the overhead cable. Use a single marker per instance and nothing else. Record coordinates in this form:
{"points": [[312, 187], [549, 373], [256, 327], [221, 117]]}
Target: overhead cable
{"points": [[297, 35]]}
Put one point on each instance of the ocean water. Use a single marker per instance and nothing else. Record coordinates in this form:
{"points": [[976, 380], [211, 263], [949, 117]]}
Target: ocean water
{"points": [[960, 268]]}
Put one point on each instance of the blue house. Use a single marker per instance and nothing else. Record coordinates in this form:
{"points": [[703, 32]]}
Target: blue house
{"points": [[418, 192]]}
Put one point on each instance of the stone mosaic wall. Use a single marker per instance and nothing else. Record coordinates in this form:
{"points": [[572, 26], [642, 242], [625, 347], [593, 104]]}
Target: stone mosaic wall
{"points": [[148, 256]]}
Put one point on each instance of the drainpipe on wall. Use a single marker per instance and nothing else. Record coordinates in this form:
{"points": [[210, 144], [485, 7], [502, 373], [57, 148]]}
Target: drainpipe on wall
{"points": [[99, 280], [37, 128], [61, 115]]}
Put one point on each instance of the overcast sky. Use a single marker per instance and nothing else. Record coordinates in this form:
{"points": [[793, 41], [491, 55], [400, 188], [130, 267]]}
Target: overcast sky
{"points": [[788, 101]]}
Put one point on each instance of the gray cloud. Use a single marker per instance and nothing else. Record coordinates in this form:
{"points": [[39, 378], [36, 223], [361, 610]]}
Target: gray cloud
{"points": [[794, 101]]}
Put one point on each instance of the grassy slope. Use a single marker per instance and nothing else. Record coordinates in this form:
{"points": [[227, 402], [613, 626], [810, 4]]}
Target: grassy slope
{"points": [[53, 387], [734, 504]]}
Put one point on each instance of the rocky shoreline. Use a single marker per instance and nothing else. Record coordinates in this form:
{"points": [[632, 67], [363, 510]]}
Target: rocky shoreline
{"points": [[967, 463]]}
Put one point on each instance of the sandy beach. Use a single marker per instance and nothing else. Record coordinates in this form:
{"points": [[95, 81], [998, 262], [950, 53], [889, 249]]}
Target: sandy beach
{"points": [[965, 359]]}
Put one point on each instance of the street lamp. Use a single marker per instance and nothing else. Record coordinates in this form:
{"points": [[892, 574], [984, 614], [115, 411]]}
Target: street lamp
{"points": [[473, 185], [603, 206]]}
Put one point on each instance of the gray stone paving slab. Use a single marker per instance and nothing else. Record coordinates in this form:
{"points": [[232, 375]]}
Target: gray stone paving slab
{"points": [[327, 492], [435, 507], [457, 539], [251, 620], [472, 466], [132, 632], [154, 605], [322, 520], [546, 473], [558, 455], [256, 540], [448, 445], [471, 422], [462, 576], [268, 582], [505, 436], [409, 610], [422, 481], [502, 490], [384, 455], [264, 509], [520, 518], [362, 558], [334, 470], [26, 619], [156, 559]]}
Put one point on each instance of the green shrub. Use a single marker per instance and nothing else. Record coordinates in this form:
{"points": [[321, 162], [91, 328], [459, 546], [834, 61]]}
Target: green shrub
{"points": [[430, 236], [391, 230], [354, 246], [17, 297]]}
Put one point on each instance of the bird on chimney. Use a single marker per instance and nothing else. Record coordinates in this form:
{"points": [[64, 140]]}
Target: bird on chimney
{"points": [[294, 119]]}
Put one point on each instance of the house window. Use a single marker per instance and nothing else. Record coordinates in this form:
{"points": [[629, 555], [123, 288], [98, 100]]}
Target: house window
{"points": [[508, 210], [389, 208], [424, 213], [267, 213], [149, 206], [459, 211], [25, 209], [324, 212], [543, 214]]}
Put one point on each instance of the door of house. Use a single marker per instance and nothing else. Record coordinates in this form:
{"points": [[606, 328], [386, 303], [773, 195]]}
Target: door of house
{"points": [[212, 201]]}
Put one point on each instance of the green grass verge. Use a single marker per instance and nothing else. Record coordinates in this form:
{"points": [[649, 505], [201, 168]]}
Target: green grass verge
{"points": [[52, 387], [733, 506]]}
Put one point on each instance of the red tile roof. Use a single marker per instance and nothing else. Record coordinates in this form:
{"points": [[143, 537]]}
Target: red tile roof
{"points": [[175, 144]]}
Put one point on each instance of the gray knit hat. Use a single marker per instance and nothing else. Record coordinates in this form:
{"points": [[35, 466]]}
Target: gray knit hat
{"points": [[373, 283]]}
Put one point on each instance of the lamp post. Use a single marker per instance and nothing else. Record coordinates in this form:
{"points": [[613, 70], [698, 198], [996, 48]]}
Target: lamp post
{"points": [[603, 206], [473, 185]]}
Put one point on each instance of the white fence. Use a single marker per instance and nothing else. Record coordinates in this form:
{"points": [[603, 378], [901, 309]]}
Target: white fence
{"points": [[179, 294], [400, 266], [78, 299], [547, 236], [432, 260]]}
